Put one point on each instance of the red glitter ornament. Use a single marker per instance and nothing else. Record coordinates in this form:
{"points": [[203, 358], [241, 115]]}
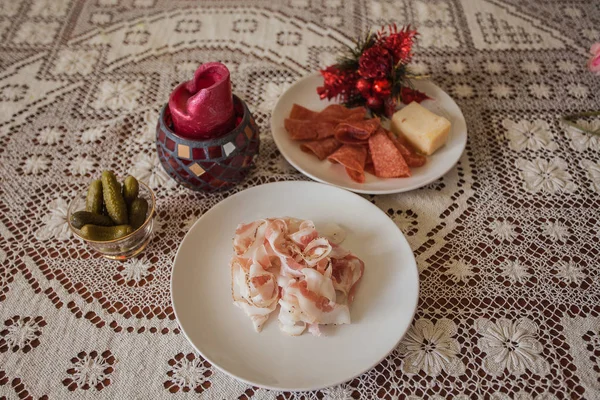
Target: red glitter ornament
{"points": [[375, 62], [374, 72], [389, 106], [364, 87], [337, 83], [399, 42], [374, 102], [382, 87], [409, 95]]}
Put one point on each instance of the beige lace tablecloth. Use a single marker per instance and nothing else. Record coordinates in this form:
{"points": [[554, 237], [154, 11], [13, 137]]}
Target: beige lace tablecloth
{"points": [[507, 243]]}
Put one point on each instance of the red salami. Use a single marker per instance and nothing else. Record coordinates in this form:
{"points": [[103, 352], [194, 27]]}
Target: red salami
{"points": [[308, 129], [339, 113], [356, 176], [369, 158], [300, 129], [361, 111], [353, 158], [342, 135], [325, 129], [321, 148], [305, 124], [302, 113], [387, 159], [410, 156], [330, 117], [356, 132]]}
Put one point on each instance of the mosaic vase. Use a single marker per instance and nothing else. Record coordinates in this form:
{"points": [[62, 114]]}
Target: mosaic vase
{"points": [[213, 164]]}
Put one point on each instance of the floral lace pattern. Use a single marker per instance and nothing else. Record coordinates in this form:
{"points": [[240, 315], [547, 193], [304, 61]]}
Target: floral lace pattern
{"points": [[91, 370], [506, 242], [510, 347], [431, 348], [188, 372], [21, 334]]}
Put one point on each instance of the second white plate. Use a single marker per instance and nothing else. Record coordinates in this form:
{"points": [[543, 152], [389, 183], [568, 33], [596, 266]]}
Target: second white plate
{"points": [[382, 311], [304, 92]]}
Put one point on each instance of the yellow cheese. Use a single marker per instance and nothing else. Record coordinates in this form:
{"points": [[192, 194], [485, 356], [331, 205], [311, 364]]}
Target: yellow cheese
{"points": [[425, 130]]}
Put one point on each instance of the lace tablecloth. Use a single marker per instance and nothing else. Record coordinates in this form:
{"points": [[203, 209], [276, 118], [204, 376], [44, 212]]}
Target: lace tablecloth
{"points": [[507, 243]]}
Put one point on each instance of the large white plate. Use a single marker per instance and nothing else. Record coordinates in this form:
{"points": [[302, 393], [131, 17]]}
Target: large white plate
{"points": [[381, 313], [304, 92]]}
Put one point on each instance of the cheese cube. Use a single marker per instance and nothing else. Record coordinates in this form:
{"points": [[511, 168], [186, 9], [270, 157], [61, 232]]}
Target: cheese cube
{"points": [[425, 130]]}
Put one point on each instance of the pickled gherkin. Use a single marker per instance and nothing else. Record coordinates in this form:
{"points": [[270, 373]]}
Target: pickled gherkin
{"points": [[113, 199], [81, 218], [131, 189], [105, 233], [93, 201], [113, 210], [137, 212]]}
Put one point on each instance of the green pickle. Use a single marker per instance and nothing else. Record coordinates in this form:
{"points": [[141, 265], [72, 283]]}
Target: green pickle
{"points": [[113, 199], [93, 201], [131, 189], [81, 218], [105, 233], [137, 212]]}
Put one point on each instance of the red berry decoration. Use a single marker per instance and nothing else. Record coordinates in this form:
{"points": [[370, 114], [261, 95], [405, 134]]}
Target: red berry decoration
{"points": [[374, 72], [375, 62], [382, 87], [364, 87], [399, 42], [374, 102], [389, 106], [409, 95], [337, 83]]}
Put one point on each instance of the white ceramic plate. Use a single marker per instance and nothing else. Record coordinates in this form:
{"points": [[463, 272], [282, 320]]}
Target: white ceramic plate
{"points": [[304, 92], [381, 313]]}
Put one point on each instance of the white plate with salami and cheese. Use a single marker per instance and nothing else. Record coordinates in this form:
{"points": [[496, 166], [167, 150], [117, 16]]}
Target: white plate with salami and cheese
{"points": [[294, 285], [313, 157]]}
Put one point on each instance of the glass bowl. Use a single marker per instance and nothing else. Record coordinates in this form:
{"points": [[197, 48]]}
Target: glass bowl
{"points": [[127, 246]]}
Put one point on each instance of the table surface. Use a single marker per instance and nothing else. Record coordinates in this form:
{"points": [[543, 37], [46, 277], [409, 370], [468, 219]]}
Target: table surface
{"points": [[507, 242]]}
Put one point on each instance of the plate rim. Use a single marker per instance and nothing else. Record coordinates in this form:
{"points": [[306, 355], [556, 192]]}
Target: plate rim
{"points": [[314, 387], [357, 190]]}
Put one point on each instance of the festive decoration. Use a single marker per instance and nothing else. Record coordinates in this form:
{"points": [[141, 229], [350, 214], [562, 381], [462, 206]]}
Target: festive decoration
{"points": [[409, 95], [338, 82], [375, 72]]}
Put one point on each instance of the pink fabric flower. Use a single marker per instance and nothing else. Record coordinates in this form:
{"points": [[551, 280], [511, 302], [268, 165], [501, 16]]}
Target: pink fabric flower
{"points": [[594, 62]]}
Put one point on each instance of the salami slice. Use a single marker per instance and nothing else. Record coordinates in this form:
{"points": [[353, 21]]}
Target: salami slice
{"points": [[302, 113], [325, 129], [353, 158], [370, 169], [309, 129], [339, 113], [410, 156], [300, 129], [361, 111], [387, 159], [354, 132], [356, 176], [321, 148], [305, 124], [369, 159]]}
